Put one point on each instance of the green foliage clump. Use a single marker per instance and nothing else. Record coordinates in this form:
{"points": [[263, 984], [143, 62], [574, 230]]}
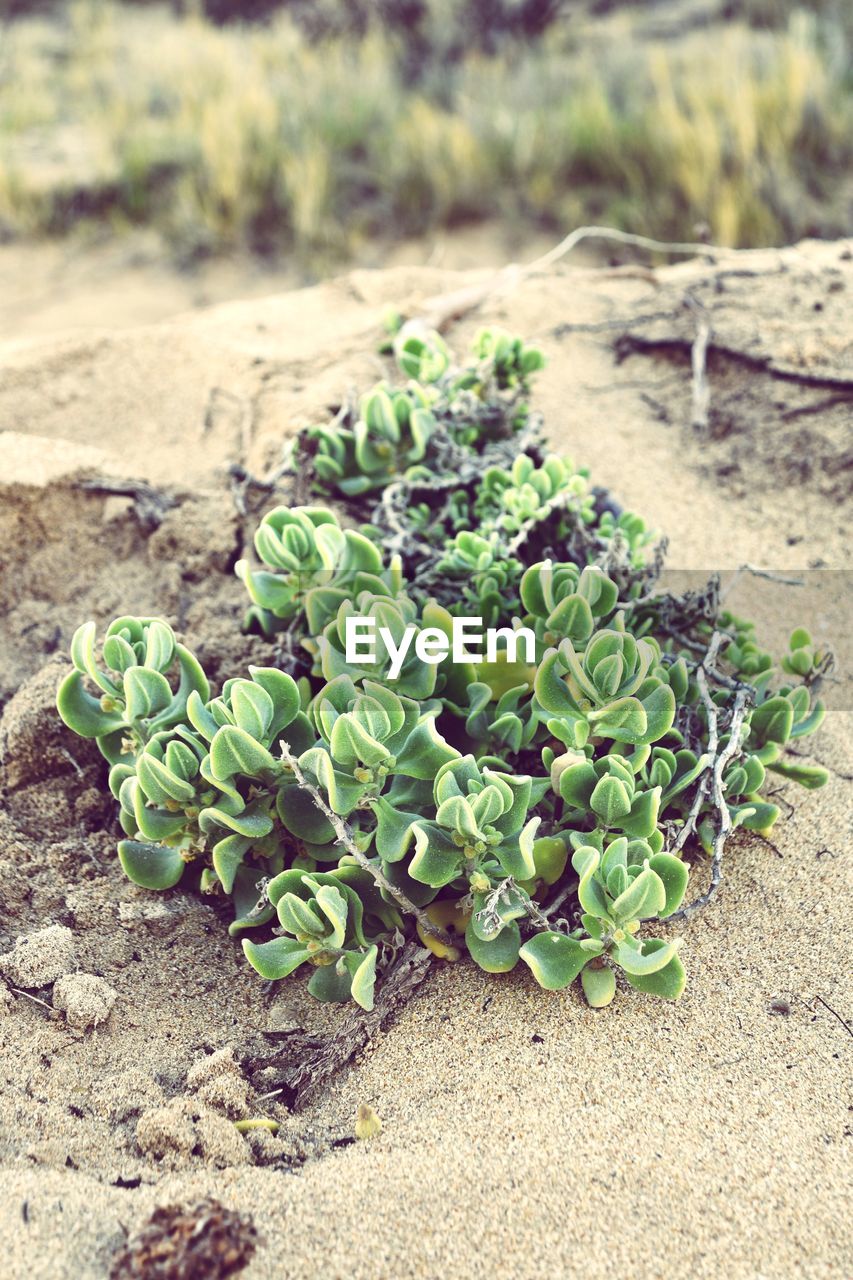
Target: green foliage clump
{"points": [[521, 806]]}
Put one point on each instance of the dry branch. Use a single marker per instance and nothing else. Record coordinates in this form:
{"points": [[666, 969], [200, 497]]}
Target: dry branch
{"points": [[701, 392], [718, 761], [307, 1062], [344, 836]]}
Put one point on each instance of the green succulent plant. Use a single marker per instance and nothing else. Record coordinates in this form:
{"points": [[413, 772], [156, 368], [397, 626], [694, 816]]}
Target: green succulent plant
{"points": [[389, 436], [322, 923], [565, 601], [136, 698], [368, 736], [630, 532], [480, 832], [312, 566], [415, 679], [487, 577], [616, 688], [510, 500], [424, 357], [542, 807], [608, 792], [509, 360], [619, 887]]}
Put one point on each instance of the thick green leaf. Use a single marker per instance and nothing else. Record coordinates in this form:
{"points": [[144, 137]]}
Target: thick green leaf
{"points": [[158, 825], [552, 692], [591, 895], [599, 986], [674, 875], [667, 983], [83, 713], [252, 822], [550, 856], [150, 865], [498, 954], [437, 859], [301, 816], [772, 721], [351, 744], [577, 783], [363, 969], [811, 776], [659, 707], [228, 858], [393, 830], [284, 693], [332, 903], [554, 959], [301, 918], [275, 959], [145, 692], [610, 800], [624, 720], [160, 784], [644, 897], [233, 752], [641, 822], [159, 645], [648, 959], [251, 909], [329, 985], [251, 706], [516, 854]]}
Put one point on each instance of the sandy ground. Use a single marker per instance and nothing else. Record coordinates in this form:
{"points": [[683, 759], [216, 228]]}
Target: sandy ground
{"points": [[523, 1133], [91, 281]]}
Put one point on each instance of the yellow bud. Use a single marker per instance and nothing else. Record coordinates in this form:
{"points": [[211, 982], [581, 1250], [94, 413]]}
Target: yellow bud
{"points": [[367, 1122], [450, 917], [246, 1126]]}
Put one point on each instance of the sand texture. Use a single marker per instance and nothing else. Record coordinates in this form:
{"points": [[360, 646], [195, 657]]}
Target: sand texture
{"points": [[523, 1134]]}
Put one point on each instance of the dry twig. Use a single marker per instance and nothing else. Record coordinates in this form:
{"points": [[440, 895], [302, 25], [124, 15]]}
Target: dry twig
{"points": [[307, 1062], [701, 391], [345, 837], [718, 761]]}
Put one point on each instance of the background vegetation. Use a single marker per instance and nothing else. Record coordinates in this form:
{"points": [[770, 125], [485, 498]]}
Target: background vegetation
{"points": [[324, 124]]}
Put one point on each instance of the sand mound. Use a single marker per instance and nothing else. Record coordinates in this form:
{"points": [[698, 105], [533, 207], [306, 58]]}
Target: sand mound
{"points": [[522, 1132]]}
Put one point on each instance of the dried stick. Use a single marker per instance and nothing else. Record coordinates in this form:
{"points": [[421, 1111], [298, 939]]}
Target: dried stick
{"points": [[35, 1000], [307, 1062], [489, 914], [149, 503], [713, 737], [835, 1014], [345, 837], [720, 761], [439, 311], [575, 237], [701, 392], [757, 573]]}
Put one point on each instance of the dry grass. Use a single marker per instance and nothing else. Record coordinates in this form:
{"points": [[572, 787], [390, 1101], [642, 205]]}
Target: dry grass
{"points": [[239, 136]]}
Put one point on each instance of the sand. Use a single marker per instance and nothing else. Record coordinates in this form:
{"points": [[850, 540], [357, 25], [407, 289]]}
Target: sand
{"points": [[523, 1134]]}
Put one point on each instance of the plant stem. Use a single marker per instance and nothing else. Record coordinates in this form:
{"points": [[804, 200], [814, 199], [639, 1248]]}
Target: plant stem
{"points": [[345, 837], [714, 770]]}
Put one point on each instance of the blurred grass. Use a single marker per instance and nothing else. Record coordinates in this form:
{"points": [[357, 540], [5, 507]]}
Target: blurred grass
{"points": [[254, 137]]}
